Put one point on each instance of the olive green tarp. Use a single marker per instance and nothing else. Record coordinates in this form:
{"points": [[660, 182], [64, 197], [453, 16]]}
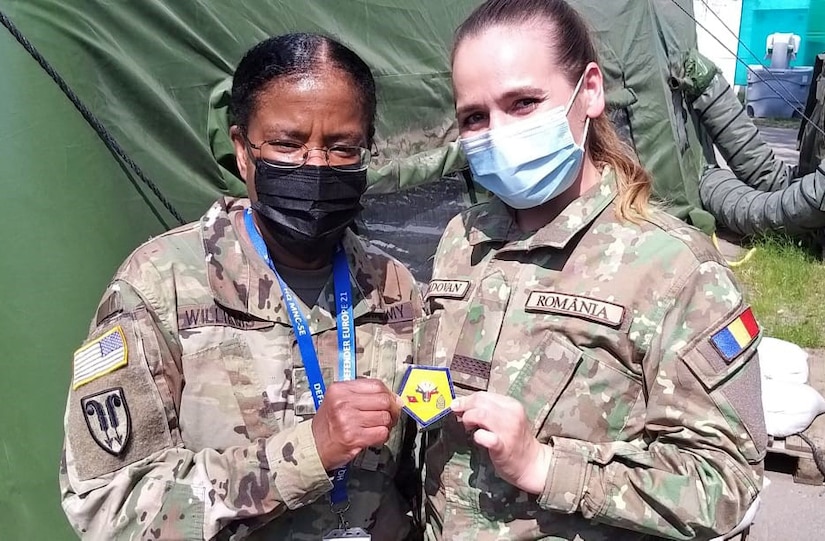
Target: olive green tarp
{"points": [[156, 74]]}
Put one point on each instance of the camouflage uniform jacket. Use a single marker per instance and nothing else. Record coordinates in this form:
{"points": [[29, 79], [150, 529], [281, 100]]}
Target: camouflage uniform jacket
{"points": [[191, 422], [609, 333]]}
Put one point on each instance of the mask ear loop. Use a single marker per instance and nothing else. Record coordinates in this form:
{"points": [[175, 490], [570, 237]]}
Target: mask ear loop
{"points": [[586, 131], [573, 97], [570, 106]]}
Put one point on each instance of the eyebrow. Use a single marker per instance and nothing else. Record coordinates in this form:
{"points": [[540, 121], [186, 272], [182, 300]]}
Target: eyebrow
{"points": [[347, 137], [274, 133], [510, 94]]}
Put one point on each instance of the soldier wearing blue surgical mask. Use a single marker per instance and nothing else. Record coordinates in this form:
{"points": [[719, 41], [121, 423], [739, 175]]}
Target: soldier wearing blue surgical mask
{"points": [[603, 356], [528, 162]]}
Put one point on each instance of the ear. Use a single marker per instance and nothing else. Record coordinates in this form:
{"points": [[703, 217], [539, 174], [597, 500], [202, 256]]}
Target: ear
{"points": [[242, 158], [593, 91]]}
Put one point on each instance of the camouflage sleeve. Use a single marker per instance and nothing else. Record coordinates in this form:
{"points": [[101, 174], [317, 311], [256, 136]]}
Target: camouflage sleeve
{"points": [[700, 467], [126, 473], [415, 170]]}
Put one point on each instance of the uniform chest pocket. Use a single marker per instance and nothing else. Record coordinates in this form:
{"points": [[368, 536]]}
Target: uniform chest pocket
{"points": [[327, 355], [231, 395], [573, 393], [390, 354], [539, 378], [536, 377], [478, 338], [304, 403], [425, 340], [380, 354], [601, 402]]}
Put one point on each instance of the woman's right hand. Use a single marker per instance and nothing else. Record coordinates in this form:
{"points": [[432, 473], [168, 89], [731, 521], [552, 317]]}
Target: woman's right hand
{"points": [[353, 416]]}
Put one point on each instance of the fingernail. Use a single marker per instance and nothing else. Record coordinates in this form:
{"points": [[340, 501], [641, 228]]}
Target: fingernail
{"points": [[456, 403]]}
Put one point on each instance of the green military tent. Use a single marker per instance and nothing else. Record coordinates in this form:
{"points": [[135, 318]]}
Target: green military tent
{"points": [[142, 144]]}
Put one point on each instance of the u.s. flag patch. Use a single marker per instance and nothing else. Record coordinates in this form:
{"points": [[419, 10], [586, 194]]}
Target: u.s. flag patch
{"points": [[736, 336], [99, 357]]}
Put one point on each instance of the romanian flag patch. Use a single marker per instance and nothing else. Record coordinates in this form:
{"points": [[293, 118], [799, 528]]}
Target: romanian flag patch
{"points": [[736, 336]]}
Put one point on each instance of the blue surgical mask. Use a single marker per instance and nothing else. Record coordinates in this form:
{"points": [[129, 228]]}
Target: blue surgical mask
{"points": [[528, 162]]}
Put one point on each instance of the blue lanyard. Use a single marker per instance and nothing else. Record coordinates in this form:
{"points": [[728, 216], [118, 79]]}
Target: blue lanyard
{"points": [[346, 335]]}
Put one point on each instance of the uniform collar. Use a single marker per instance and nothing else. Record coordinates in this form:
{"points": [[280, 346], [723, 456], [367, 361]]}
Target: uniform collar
{"points": [[495, 222], [241, 281]]}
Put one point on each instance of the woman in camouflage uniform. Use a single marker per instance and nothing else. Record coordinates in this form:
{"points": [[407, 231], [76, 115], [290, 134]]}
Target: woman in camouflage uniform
{"points": [[192, 412], [602, 353]]}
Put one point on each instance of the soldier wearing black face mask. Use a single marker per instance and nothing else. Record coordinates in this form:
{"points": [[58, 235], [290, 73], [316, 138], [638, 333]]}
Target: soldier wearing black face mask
{"points": [[239, 381], [307, 208]]}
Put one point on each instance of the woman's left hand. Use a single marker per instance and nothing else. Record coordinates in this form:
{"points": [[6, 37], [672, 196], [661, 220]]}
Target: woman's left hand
{"points": [[501, 427]]}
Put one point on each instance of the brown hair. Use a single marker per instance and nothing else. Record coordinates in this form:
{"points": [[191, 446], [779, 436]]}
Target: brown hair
{"points": [[576, 49]]}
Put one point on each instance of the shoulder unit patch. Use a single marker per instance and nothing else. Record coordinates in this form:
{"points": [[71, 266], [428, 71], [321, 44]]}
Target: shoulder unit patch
{"points": [[107, 418], [736, 336], [427, 393], [99, 357]]}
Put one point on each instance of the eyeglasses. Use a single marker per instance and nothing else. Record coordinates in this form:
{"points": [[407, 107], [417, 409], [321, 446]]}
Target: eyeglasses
{"points": [[291, 155]]}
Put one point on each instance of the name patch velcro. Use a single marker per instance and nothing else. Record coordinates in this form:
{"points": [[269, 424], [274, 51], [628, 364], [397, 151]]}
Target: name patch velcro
{"points": [[451, 289], [573, 305], [208, 315], [400, 312]]}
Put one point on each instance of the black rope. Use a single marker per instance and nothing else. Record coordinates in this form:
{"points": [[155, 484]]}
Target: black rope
{"points": [[754, 72], [107, 138], [818, 457]]}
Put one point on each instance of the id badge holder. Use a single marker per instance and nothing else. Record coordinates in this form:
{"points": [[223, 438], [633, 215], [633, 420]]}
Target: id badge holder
{"points": [[343, 531], [350, 534]]}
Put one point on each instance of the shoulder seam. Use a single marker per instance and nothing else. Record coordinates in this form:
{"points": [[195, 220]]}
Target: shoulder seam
{"points": [[701, 256], [172, 232]]}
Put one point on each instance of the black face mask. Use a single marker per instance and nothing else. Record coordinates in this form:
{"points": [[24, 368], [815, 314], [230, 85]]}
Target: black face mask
{"points": [[308, 209]]}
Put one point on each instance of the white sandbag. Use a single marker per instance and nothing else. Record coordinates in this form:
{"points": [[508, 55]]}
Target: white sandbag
{"points": [[783, 361], [789, 407]]}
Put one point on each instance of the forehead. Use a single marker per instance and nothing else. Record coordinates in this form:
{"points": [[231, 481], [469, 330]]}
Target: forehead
{"points": [[502, 58], [325, 99]]}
